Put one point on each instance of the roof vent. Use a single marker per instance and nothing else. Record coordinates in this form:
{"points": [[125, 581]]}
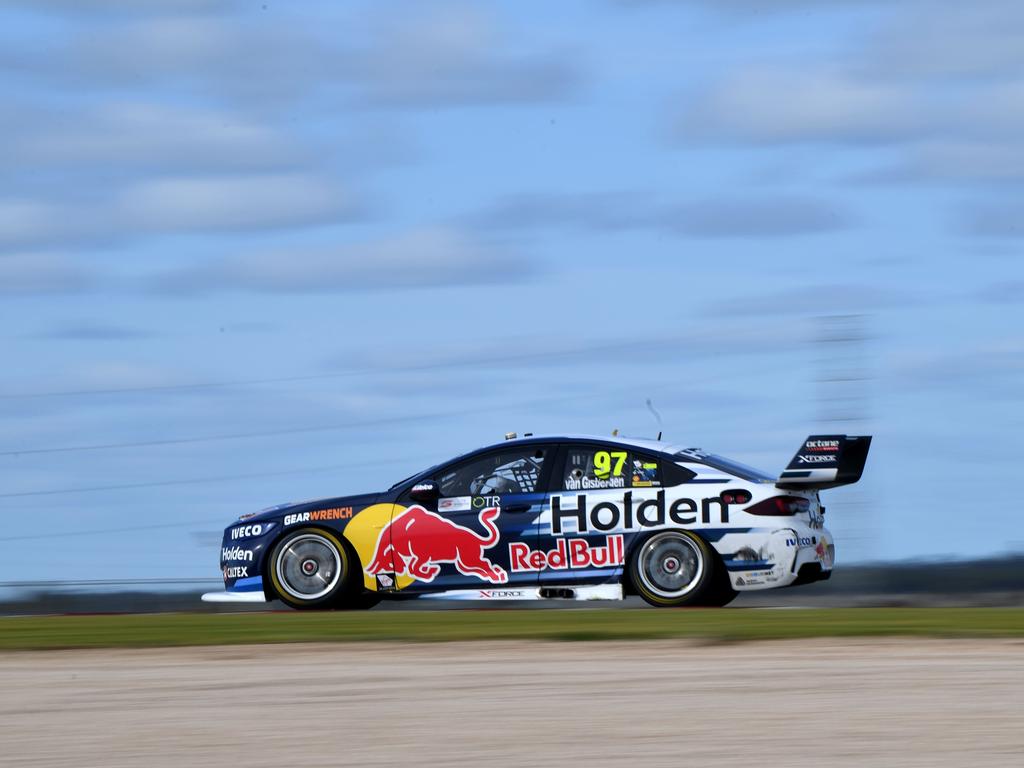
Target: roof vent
{"points": [[510, 435]]}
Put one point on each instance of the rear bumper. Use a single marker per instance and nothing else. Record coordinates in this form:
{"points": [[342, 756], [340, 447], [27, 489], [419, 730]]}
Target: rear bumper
{"points": [[785, 557]]}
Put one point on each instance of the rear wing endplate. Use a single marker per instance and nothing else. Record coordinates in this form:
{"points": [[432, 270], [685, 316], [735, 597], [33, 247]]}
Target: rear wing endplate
{"points": [[826, 461]]}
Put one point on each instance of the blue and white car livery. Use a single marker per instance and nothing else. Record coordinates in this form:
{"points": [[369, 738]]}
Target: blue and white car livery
{"points": [[531, 518]]}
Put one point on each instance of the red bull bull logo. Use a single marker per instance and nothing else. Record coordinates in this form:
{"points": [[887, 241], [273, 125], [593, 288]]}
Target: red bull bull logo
{"points": [[417, 541]]}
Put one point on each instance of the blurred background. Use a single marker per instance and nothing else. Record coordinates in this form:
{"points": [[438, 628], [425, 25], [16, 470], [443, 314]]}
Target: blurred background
{"points": [[254, 252]]}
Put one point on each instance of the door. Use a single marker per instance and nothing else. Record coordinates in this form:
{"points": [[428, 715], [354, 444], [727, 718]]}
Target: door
{"points": [[483, 523], [601, 496]]}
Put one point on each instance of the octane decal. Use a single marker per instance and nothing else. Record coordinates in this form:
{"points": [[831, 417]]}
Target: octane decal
{"points": [[416, 541], [568, 553]]}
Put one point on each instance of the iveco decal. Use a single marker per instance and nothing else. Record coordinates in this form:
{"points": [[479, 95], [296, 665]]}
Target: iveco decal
{"points": [[651, 513]]}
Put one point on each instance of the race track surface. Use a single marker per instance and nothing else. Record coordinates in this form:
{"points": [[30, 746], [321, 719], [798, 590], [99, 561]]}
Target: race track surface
{"points": [[794, 703]]}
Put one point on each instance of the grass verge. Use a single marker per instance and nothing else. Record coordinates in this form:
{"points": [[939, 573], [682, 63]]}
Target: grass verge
{"points": [[154, 630]]}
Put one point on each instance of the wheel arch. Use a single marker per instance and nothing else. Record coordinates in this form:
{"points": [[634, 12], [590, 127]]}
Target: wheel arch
{"points": [[269, 590], [627, 579]]}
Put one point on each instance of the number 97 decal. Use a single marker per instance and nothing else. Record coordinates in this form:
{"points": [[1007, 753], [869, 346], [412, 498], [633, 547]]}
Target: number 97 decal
{"points": [[603, 461]]}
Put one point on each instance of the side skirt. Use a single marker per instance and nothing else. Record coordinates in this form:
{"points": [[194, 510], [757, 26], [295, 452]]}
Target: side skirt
{"points": [[597, 592]]}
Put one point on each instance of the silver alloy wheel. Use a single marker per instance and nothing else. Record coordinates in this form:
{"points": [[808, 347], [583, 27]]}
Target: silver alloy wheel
{"points": [[308, 566], [670, 564]]}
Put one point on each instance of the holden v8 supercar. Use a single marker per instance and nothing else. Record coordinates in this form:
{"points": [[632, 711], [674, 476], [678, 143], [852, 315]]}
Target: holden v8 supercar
{"points": [[552, 517]]}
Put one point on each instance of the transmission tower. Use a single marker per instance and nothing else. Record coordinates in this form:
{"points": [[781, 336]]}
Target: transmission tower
{"points": [[842, 393]]}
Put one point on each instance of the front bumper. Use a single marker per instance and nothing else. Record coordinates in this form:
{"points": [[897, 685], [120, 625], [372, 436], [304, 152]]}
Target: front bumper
{"points": [[247, 590]]}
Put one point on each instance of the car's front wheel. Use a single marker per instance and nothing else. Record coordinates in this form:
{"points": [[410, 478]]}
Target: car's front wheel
{"points": [[672, 568], [311, 568]]}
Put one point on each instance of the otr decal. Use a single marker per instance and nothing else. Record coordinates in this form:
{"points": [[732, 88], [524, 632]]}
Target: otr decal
{"points": [[417, 540]]}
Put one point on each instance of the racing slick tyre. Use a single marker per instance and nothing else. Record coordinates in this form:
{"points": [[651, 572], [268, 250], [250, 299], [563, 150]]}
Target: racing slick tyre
{"points": [[311, 568], [720, 592], [673, 568]]}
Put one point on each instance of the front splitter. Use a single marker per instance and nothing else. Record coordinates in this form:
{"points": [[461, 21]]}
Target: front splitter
{"points": [[234, 597]]}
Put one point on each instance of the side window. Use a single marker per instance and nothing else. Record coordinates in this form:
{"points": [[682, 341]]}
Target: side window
{"points": [[645, 471], [515, 471], [597, 467], [673, 474]]}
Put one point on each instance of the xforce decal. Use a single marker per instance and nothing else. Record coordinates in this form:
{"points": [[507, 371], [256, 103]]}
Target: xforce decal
{"points": [[417, 541], [629, 514]]}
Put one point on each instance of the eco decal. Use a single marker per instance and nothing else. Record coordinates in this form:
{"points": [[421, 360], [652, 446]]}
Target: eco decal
{"points": [[417, 541], [250, 531]]}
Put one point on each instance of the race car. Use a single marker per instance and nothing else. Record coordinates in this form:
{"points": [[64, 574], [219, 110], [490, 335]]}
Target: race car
{"points": [[556, 517]]}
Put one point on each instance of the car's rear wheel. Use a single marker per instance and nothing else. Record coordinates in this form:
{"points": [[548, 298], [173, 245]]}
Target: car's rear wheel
{"points": [[312, 568], [672, 568]]}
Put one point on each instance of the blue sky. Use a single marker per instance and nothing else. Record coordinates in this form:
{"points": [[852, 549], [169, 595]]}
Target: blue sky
{"points": [[254, 252]]}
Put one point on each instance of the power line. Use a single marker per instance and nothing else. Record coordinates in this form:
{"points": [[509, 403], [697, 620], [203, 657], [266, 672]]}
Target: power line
{"points": [[294, 430], [198, 480], [100, 531], [478, 360], [173, 387], [103, 582], [233, 436]]}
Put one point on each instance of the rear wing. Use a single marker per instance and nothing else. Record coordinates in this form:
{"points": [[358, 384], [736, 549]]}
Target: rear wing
{"points": [[826, 461]]}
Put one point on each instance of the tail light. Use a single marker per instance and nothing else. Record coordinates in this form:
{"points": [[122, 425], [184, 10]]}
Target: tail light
{"points": [[735, 497], [780, 506]]}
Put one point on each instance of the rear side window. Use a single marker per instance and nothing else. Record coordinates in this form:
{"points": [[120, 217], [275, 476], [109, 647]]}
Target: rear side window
{"points": [[589, 468]]}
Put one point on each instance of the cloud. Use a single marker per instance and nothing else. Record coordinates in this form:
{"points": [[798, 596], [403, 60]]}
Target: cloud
{"points": [[1006, 292], [443, 56], [996, 364], [776, 216], [90, 331], [451, 56], [1001, 218], [424, 258], [954, 162], [757, 7], [938, 39], [142, 136], [173, 204], [827, 299], [35, 273], [768, 217], [943, 87], [780, 105], [247, 202], [583, 211], [120, 6]]}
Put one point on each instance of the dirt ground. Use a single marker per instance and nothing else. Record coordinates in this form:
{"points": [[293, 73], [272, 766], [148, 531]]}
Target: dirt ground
{"points": [[798, 703]]}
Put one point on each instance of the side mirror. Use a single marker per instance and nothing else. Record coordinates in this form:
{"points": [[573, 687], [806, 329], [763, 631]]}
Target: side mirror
{"points": [[425, 492]]}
